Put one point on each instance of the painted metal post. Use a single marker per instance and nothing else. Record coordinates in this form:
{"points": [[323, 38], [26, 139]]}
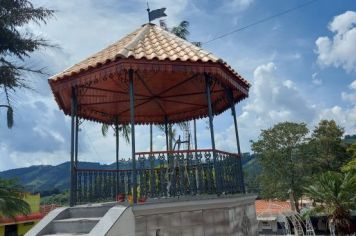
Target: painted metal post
{"points": [[211, 126], [195, 134], [233, 112], [132, 116], [117, 157], [196, 148], [151, 138], [76, 138], [76, 130], [72, 194], [166, 131]]}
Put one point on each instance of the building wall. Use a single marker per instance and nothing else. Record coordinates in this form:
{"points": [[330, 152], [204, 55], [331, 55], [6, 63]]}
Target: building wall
{"points": [[209, 221], [23, 228], [33, 201]]}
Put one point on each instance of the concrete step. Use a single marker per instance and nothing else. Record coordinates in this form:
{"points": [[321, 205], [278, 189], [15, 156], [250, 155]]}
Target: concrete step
{"points": [[88, 211], [59, 234], [82, 225]]}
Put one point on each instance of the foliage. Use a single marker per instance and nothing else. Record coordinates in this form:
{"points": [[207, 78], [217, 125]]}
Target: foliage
{"points": [[334, 195], [326, 147], [17, 44], [251, 172], [350, 165], [58, 199], [11, 198], [123, 129], [280, 152]]}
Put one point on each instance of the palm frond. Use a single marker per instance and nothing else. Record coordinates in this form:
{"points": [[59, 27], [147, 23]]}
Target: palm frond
{"points": [[126, 131], [10, 117], [11, 198], [104, 129], [181, 30]]}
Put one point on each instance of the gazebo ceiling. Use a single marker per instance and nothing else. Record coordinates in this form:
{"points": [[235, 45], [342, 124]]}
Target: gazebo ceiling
{"points": [[169, 80]]}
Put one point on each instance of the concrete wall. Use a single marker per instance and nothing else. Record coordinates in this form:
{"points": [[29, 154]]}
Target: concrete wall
{"points": [[208, 217]]}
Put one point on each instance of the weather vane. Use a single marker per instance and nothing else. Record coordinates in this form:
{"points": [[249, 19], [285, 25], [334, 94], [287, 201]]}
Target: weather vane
{"points": [[158, 13]]}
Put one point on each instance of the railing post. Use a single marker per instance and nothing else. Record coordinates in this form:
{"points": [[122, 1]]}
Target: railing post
{"points": [[233, 112], [132, 116], [73, 184], [210, 111]]}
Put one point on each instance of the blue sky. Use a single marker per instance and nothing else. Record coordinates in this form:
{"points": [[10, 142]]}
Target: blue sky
{"points": [[302, 67]]}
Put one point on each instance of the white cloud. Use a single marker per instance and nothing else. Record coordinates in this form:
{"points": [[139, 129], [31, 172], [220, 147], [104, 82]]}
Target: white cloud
{"points": [[42, 133], [289, 84], [241, 4], [274, 100], [353, 85], [271, 100], [315, 79], [350, 96], [339, 51], [233, 6], [345, 117]]}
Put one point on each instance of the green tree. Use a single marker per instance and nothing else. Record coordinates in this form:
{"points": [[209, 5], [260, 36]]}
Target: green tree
{"points": [[327, 150], [280, 153], [335, 195], [11, 198], [350, 165], [16, 44], [123, 129]]}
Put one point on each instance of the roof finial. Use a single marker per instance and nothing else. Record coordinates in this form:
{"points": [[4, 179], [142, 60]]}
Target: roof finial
{"points": [[148, 12], [158, 13]]}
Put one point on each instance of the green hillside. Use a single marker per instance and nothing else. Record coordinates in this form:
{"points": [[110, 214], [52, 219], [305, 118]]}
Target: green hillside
{"points": [[43, 178], [48, 179]]}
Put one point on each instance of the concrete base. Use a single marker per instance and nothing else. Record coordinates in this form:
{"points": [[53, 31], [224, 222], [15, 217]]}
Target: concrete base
{"points": [[192, 216], [234, 215]]}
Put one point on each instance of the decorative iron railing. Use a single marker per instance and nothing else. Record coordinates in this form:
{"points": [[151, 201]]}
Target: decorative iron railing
{"points": [[163, 174]]}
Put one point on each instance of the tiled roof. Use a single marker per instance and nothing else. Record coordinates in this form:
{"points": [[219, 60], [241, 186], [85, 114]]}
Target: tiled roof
{"points": [[148, 42], [271, 207]]}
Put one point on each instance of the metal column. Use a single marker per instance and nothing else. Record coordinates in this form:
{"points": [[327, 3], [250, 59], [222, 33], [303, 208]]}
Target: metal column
{"points": [[132, 116], [73, 184], [151, 138], [211, 126], [233, 112], [76, 138], [195, 134], [117, 157], [166, 131]]}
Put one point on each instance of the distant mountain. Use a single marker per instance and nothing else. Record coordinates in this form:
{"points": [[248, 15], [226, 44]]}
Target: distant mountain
{"points": [[47, 178], [42, 178]]}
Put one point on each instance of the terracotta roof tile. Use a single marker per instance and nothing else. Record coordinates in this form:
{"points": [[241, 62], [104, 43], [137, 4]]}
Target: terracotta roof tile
{"points": [[272, 207], [147, 42]]}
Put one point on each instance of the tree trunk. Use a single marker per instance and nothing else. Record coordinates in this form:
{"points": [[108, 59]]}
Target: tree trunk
{"points": [[170, 135], [293, 201]]}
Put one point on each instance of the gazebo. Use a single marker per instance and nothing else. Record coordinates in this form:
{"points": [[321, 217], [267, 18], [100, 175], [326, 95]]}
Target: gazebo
{"points": [[152, 77]]}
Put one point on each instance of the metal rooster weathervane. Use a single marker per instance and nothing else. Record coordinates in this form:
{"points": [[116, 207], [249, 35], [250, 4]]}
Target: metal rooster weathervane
{"points": [[155, 14]]}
